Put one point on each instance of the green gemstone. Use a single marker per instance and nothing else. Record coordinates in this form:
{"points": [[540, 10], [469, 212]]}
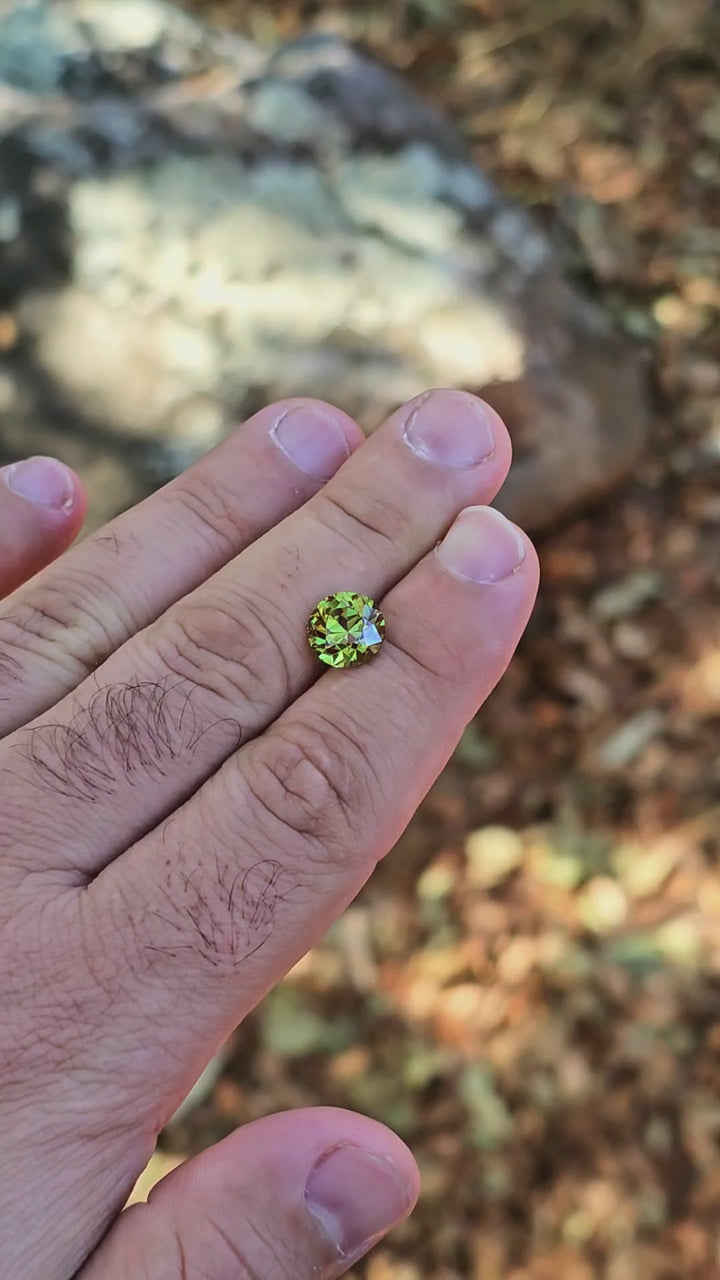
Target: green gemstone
{"points": [[346, 629]]}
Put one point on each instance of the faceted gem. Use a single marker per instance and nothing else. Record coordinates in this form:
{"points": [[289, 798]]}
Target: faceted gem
{"points": [[346, 629]]}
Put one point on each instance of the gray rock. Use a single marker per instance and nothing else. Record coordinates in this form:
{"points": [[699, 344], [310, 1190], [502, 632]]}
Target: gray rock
{"points": [[189, 229]]}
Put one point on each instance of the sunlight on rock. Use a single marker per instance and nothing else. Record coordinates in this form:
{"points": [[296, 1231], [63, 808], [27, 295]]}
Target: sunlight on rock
{"points": [[287, 113], [401, 197], [134, 24], [465, 337]]}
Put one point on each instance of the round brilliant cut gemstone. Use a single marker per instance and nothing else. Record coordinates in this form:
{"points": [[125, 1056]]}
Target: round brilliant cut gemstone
{"points": [[346, 629]]}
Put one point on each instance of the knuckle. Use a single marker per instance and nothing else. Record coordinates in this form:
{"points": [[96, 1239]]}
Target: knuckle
{"points": [[311, 782], [213, 511], [59, 622], [424, 665], [228, 650], [37, 627], [12, 646], [361, 516], [246, 1255]]}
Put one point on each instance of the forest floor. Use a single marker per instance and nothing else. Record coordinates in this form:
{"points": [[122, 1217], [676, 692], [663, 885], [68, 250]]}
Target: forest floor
{"points": [[528, 990]]}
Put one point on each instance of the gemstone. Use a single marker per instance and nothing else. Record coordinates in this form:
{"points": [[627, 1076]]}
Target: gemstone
{"points": [[346, 629]]}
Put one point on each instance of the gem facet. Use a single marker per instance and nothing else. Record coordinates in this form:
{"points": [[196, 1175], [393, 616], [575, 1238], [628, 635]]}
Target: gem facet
{"points": [[346, 629]]}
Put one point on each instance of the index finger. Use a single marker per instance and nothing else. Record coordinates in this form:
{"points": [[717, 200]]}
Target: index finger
{"points": [[42, 508]]}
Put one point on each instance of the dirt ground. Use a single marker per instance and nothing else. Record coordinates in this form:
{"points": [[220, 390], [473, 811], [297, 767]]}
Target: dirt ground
{"points": [[528, 990]]}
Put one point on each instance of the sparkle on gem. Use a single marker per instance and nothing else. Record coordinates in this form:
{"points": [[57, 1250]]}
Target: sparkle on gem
{"points": [[346, 629]]}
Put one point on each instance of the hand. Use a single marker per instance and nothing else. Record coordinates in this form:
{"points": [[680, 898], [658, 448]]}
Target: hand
{"points": [[185, 808]]}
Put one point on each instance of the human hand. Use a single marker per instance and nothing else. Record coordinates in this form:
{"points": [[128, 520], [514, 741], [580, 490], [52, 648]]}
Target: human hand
{"points": [[185, 808]]}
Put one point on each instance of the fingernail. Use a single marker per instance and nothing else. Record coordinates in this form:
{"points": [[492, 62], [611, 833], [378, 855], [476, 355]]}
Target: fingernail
{"points": [[452, 428], [356, 1197], [313, 440], [43, 481], [482, 546]]}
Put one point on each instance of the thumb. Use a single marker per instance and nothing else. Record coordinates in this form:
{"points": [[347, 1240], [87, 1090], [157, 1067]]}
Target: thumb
{"points": [[297, 1196]]}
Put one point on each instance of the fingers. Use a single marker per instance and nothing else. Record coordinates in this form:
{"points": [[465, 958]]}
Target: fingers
{"points": [[299, 1196], [63, 625], [167, 709], [229, 893], [42, 507]]}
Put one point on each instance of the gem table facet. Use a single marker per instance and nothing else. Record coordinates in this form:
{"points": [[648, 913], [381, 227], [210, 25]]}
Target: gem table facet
{"points": [[346, 629]]}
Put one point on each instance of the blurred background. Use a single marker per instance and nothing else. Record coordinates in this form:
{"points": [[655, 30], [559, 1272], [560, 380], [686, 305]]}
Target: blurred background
{"points": [[528, 990]]}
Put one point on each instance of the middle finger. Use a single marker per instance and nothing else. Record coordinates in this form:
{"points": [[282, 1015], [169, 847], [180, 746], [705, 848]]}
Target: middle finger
{"points": [[164, 712]]}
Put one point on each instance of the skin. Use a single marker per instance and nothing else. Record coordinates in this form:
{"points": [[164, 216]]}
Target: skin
{"points": [[189, 800]]}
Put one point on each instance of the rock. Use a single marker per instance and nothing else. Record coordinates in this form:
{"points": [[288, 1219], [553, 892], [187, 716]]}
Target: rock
{"points": [[190, 228]]}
